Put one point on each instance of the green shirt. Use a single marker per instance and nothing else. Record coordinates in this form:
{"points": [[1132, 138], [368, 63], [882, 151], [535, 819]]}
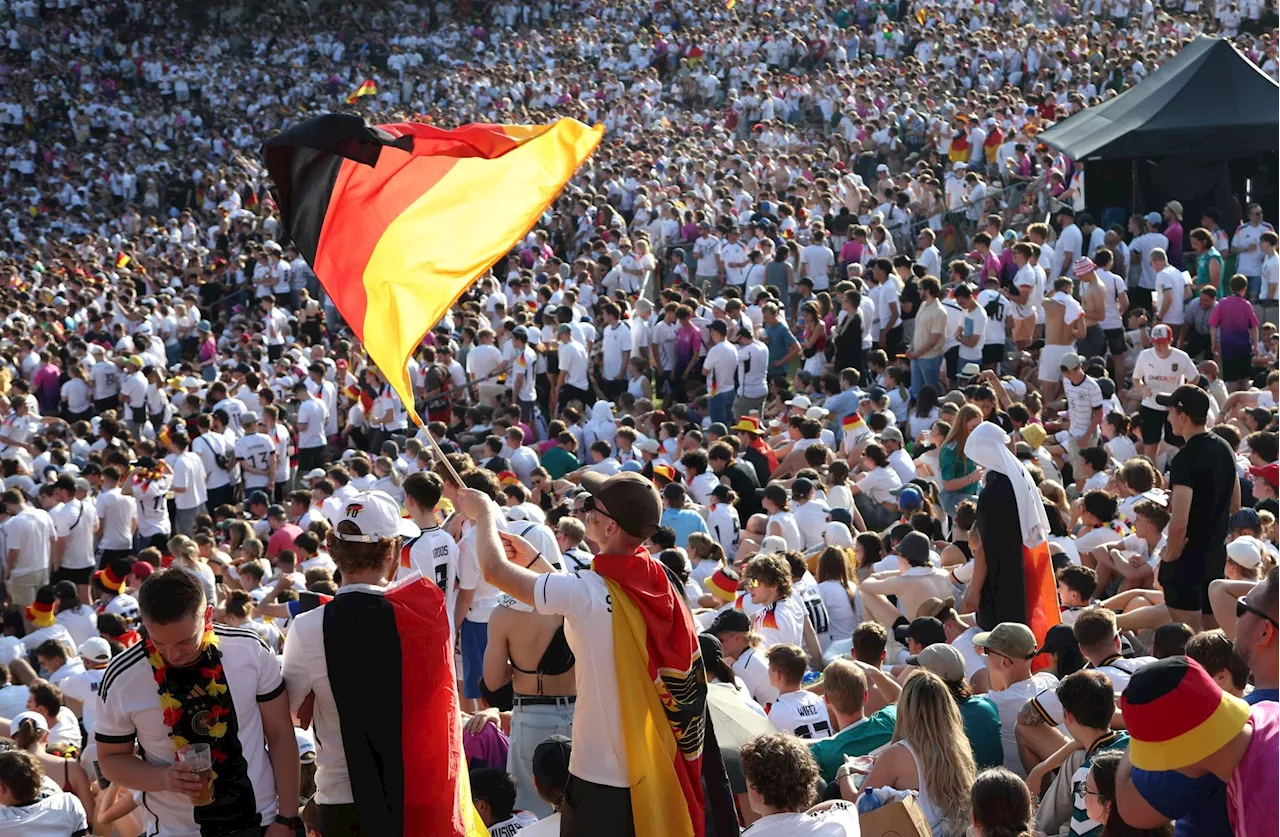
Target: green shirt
{"points": [[857, 740], [559, 462], [952, 464], [982, 728]]}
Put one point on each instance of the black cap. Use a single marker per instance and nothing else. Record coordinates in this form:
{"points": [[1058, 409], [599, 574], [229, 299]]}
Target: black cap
{"points": [[925, 630], [729, 621], [712, 650], [257, 498], [1057, 639], [551, 762], [1188, 399]]}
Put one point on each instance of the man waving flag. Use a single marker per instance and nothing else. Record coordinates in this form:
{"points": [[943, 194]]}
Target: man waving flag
{"points": [[398, 220]]}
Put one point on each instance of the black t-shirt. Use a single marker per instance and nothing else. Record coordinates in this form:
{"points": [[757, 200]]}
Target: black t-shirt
{"points": [[742, 479], [1207, 465], [910, 296]]}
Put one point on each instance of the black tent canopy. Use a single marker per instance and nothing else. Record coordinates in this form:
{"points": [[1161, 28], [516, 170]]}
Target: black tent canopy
{"points": [[1209, 99]]}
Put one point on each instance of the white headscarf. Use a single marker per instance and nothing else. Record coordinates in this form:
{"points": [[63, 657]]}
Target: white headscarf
{"points": [[838, 534], [988, 446]]}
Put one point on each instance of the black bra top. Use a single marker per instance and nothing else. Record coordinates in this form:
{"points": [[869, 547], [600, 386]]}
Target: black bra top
{"points": [[557, 658]]}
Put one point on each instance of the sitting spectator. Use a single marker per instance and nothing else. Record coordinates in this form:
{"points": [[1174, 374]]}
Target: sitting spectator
{"points": [[844, 688], [1001, 804], [782, 785]]}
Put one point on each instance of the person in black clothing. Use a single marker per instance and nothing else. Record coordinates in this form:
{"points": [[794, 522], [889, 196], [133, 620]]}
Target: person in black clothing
{"points": [[1206, 491], [909, 300], [848, 336], [497, 463], [741, 476]]}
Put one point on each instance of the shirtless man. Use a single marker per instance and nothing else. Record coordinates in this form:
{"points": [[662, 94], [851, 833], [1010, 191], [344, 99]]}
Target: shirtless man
{"points": [[1093, 298], [915, 581], [1064, 323]]}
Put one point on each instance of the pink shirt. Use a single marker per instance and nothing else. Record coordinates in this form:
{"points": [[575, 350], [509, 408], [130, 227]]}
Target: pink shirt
{"points": [[1251, 794], [283, 538]]}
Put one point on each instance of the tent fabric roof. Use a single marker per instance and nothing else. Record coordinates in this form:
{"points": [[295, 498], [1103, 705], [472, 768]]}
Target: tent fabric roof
{"points": [[1208, 99]]}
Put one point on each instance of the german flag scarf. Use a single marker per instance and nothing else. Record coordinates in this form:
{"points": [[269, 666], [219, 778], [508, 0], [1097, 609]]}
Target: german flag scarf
{"points": [[662, 688], [390, 660]]}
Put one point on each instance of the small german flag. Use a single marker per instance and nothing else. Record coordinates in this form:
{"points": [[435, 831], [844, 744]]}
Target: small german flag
{"points": [[367, 88], [853, 421], [398, 220], [729, 4], [921, 17], [122, 260]]}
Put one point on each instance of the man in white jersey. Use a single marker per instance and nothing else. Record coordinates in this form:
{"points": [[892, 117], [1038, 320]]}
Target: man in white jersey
{"points": [[28, 542], [1159, 370], [150, 485], [117, 518], [434, 553], [74, 522], [796, 710], [256, 452]]}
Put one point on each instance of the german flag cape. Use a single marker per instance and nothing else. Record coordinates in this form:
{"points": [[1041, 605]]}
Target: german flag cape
{"points": [[662, 687], [390, 659], [398, 220]]}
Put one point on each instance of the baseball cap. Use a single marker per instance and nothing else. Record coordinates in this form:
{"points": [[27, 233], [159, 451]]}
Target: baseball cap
{"points": [[1244, 519], [1162, 334], [315, 474], [257, 498], [141, 570], [551, 761], [718, 428], [909, 498], [730, 621], [1269, 472], [95, 649], [801, 487], [1152, 217], [1188, 399], [1057, 639], [773, 545], [248, 417], [376, 516], [937, 608], [648, 445], [1070, 360], [1011, 639], [940, 658], [800, 401], [915, 548], [1245, 551], [520, 333], [1177, 715], [306, 744], [36, 717], [925, 630], [891, 434], [629, 499]]}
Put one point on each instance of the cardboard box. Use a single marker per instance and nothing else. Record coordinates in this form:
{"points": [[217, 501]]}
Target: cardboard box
{"points": [[898, 819]]}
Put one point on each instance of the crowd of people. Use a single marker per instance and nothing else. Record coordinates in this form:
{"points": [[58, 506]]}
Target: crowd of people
{"points": [[821, 391]]}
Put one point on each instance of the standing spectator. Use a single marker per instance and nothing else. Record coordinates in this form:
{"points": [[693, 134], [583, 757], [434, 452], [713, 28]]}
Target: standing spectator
{"points": [[1246, 246], [721, 368], [1205, 492], [929, 341], [1210, 266], [1234, 326]]}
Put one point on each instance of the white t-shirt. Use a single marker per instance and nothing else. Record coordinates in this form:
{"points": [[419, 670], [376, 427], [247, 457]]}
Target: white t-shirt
{"points": [[722, 367], [802, 714], [189, 474], [127, 710], [482, 360], [1162, 375], [753, 668], [59, 815], [1009, 703], [788, 529], [523, 366], [76, 521], [30, 533], [83, 686], [514, 824], [974, 322], [469, 578], [435, 554], [573, 363], [583, 599], [80, 621], [616, 344], [1170, 283], [811, 517], [816, 262], [840, 820], [311, 413], [878, 484], [117, 512], [153, 515], [840, 612], [780, 624]]}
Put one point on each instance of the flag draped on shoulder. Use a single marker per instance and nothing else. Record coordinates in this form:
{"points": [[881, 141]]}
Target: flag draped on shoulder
{"points": [[368, 87], [390, 661], [398, 220], [662, 687]]}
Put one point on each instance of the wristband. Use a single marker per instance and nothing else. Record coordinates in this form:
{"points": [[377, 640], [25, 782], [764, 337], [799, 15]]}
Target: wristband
{"points": [[534, 561]]}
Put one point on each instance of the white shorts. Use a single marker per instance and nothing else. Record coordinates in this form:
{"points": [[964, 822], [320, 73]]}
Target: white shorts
{"points": [[1051, 362]]}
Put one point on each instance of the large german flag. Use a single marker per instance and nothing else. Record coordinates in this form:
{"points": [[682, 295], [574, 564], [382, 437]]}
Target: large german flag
{"points": [[398, 220], [390, 660]]}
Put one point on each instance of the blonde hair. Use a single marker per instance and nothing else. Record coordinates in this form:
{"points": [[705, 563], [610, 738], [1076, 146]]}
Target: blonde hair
{"points": [[960, 427], [702, 547], [929, 720], [1055, 494]]}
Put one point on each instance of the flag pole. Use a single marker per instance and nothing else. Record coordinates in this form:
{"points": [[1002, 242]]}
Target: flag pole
{"points": [[435, 446]]}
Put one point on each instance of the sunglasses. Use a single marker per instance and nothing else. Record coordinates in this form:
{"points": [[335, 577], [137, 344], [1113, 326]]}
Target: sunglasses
{"points": [[1243, 607], [589, 505], [752, 583]]}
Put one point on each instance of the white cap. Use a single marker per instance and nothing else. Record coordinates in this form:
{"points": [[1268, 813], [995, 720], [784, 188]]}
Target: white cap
{"points": [[95, 649], [649, 445], [315, 474], [1245, 551], [1015, 387], [378, 516], [816, 413], [41, 723], [306, 743], [800, 401], [772, 545]]}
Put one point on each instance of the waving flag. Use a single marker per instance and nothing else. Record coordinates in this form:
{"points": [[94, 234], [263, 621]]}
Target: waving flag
{"points": [[122, 260], [367, 88], [398, 220]]}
